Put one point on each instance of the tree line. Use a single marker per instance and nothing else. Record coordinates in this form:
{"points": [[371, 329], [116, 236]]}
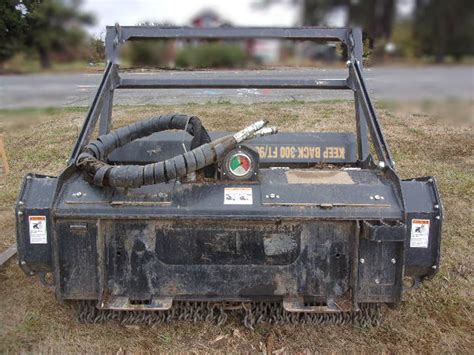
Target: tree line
{"points": [[45, 27], [435, 29]]}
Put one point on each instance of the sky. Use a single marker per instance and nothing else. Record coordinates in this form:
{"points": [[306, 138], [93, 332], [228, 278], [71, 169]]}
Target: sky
{"points": [[179, 12]]}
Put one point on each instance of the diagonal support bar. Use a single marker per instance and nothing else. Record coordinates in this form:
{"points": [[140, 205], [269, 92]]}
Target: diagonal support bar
{"points": [[94, 112], [363, 98]]}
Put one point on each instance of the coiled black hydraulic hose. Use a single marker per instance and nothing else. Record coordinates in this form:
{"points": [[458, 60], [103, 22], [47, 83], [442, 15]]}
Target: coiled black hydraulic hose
{"points": [[203, 153]]}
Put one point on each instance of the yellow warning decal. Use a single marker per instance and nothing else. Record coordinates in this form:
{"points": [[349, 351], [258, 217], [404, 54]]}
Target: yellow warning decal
{"points": [[300, 152]]}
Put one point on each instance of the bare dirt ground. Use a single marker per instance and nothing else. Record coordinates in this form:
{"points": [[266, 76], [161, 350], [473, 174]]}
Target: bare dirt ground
{"points": [[426, 139]]}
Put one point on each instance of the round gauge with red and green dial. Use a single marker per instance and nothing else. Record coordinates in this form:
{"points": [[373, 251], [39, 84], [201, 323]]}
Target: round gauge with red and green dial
{"points": [[239, 164]]}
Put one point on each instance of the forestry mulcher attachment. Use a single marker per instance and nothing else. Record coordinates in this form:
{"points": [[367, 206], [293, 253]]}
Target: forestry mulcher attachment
{"points": [[149, 224]]}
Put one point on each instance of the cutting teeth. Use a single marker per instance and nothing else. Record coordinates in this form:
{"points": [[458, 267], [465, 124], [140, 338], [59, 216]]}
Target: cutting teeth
{"points": [[250, 313]]}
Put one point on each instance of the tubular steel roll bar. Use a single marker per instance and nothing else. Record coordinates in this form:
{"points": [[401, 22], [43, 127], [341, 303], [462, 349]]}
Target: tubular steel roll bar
{"points": [[366, 118]]}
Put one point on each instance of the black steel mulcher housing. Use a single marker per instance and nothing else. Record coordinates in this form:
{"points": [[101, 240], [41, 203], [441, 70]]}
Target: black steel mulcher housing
{"points": [[313, 239]]}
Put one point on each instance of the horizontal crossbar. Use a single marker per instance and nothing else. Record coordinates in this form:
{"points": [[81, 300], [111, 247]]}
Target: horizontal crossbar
{"points": [[302, 33], [128, 83]]}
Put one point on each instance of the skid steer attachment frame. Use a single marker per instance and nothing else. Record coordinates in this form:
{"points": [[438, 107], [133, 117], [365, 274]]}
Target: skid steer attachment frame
{"points": [[295, 242]]}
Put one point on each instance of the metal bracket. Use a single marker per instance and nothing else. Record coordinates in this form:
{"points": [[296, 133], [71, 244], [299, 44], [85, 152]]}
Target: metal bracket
{"points": [[125, 303], [296, 304], [118, 35]]}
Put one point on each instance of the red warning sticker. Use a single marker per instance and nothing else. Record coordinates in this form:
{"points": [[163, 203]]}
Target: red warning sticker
{"points": [[38, 233], [420, 232]]}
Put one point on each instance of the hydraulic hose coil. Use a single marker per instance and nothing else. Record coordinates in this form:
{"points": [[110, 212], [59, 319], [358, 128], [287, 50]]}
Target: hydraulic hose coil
{"points": [[94, 155]]}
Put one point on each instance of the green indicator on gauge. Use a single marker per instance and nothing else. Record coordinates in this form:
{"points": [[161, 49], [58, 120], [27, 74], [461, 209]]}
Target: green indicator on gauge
{"points": [[240, 164]]}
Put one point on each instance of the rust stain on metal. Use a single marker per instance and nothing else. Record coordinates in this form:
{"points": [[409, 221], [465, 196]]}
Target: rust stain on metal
{"points": [[325, 205], [319, 177], [139, 203], [277, 244], [148, 236], [281, 284]]}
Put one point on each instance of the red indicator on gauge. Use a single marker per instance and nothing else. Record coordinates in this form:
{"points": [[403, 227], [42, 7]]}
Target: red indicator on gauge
{"points": [[239, 164]]}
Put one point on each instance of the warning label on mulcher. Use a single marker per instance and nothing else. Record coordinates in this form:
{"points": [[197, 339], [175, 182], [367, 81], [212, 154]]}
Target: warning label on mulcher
{"points": [[420, 231], [238, 196], [38, 234]]}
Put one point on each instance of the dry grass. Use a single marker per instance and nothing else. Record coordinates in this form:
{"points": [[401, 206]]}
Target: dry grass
{"points": [[436, 318]]}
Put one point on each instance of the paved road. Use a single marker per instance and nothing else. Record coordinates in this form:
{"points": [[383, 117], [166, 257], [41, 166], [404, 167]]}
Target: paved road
{"points": [[385, 83]]}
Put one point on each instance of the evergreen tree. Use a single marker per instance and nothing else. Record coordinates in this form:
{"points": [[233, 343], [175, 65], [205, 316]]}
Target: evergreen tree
{"points": [[54, 25], [12, 28]]}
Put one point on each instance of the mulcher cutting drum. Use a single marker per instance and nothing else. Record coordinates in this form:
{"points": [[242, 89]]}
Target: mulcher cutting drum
{"points": [[163, 220]]}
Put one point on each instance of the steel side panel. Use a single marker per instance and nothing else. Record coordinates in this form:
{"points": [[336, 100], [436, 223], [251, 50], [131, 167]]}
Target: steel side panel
{"points": [[423, 203], [78, 258], [35, 199], [380, 273]]}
